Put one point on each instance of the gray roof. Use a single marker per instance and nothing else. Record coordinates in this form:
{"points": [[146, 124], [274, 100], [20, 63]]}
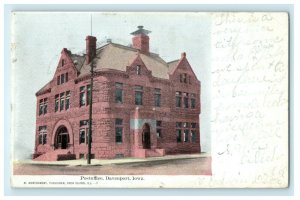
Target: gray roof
{"points": [[118, 57]]}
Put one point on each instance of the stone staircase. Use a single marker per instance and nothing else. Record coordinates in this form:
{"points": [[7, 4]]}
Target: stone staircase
{"points": [[58, 154], [144, 153]]}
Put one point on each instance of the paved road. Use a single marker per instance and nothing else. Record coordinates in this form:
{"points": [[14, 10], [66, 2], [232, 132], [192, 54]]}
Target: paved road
{"points": [[191, 166]]}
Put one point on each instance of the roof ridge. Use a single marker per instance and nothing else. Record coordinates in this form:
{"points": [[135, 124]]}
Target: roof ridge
{"points": [[173, 61]]}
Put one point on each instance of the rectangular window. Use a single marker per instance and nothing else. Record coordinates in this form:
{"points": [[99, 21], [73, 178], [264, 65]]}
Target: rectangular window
{"points": [[43, 135], [178, 124], [158, 129], [84, 131], [82, 96], [45, 106], [185, 124], [88, 94], [178, 135], [193, 125], [67, 77], [138, 70], [68, 100], [58, 80], [62, 78], [56, 102], [193, 136], [186, 135], [178, 99], [184, 77], [62, 101], [186, 99], [193, 100], [82, 136], [119, 130], [41, 107], [138, 95], [119, 93], [157, 97]]}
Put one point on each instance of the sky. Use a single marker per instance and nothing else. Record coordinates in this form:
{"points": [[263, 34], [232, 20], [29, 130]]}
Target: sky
{"points": [[38, 38]]}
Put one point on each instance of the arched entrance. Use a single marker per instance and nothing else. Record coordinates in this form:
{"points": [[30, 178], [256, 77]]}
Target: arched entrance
{"points": [[62, 138], [146, 139]]}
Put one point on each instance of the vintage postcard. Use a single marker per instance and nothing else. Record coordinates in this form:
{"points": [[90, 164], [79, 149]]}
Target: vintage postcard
{"points": [[149, 100]]}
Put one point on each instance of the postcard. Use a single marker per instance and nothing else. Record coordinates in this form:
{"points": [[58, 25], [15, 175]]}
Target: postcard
{"points": [[149, 100]]}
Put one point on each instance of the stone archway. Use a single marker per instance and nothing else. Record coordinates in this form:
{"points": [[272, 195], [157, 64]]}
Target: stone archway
{"points": [[146, 137], [62, 135], [62, 138]]}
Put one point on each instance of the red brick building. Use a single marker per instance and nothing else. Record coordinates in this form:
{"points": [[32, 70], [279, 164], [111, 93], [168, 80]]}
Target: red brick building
{"points": [[142, 105]]}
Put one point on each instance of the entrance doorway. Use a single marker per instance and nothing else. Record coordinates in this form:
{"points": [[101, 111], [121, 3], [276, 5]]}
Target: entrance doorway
{"points": [[62, 138], [146, 139]]}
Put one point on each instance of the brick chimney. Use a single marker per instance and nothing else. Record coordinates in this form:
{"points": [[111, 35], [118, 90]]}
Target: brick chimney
{"points": [[90, 48], [140, 39]]}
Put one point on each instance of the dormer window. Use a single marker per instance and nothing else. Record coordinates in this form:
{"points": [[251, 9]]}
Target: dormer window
{"points": [[138, 69]]}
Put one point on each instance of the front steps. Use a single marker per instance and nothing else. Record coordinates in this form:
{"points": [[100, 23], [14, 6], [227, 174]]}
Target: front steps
{"points": [[55, 155]]}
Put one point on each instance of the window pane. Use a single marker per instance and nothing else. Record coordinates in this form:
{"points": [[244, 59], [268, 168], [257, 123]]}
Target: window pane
{"points": [[158, 123], [84, 123], [193, 125], [158, 133], [138, 98], [193, 135], [178, 102], [119, 95], [119, 121], [178, 124], [40, 139], [119, 131], [62, 101], [186, 100], [186, 135], [138, 70], [62, 79], [157, 100], [193, 103], [82, 136], [41, 108], [56, 103], [67, 103], [82, 88], [185, 124], [88, 94], [178, 135], [58, 80], [44, 138], [82, 99], [45, 106]]}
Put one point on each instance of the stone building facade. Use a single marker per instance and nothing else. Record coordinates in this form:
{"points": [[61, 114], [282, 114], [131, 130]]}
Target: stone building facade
{"points": [[142, 105]]}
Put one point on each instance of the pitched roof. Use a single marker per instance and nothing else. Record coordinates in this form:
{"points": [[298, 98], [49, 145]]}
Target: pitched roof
{"points": [[44, 89], [172, 66], [118, 57]]}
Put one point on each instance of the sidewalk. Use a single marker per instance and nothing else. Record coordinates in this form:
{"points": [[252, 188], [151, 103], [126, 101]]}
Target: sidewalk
{"points": [[96, 162]]}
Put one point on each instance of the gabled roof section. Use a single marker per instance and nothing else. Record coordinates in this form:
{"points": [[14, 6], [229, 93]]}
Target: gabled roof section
{"points": [[118, 57], [78, 61], [46, 88], [173, 65]]}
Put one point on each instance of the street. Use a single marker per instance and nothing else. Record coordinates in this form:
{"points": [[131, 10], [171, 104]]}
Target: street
{"points": [[190, 166]]}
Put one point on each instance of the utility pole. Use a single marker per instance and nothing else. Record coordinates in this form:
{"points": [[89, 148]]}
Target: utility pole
{"points": [[90, 114]]}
